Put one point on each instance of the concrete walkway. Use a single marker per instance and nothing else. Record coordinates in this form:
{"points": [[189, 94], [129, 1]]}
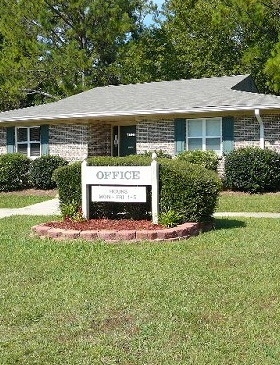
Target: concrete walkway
{"points": [[48, 207], [51, 207]]}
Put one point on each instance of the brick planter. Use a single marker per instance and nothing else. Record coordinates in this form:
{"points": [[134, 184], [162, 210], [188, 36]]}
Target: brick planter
{"points": [[182, 231]]}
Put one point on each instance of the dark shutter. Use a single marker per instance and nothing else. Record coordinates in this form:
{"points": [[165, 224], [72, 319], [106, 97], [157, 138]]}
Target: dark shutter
{"points": [[44, 140], [180, 135], [11, 140], [228, 134]]}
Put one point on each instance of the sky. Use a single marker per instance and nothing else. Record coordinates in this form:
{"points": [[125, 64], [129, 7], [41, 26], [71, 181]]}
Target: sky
{"points": [[149, 19]]}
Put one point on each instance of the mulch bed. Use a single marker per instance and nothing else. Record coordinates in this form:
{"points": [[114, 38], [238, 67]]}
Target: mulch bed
{"points": [[107, 224]]}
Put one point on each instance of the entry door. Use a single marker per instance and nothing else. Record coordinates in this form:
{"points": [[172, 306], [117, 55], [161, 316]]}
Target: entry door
{"points": [[127, 140], [124, 140]]}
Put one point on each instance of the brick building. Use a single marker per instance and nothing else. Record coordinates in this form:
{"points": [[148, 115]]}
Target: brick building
{"points": [[219, 113]]}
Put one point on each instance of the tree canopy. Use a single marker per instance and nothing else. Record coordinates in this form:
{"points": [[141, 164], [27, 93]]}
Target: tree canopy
{"points": [[51, 49]]}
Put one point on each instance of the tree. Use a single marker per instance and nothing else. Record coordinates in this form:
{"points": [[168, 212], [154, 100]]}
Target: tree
{"points": [[53, 48], [199, 38]]}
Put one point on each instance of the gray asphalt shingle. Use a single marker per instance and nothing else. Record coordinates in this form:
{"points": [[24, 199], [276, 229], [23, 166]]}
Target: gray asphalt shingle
{"points": [[165, 97]]}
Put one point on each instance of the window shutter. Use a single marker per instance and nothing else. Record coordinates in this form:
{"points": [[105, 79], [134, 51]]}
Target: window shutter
{"points": [[180, 135], [44, 140], [11, 139], [228, 134]]}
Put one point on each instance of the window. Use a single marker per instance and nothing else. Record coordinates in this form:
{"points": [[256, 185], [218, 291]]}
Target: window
{"points": [[28, 141], [204, 134]]}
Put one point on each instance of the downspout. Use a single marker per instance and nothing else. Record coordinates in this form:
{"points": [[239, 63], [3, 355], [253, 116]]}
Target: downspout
{"points": [[259, 119]]}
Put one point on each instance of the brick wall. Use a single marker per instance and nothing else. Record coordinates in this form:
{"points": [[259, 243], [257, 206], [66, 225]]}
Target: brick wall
{"points": [[272, 131], [69, 141], [99, 140], [155, 135], [3, 141], [247, 132]]}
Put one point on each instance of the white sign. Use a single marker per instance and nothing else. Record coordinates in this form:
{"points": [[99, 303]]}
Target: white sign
{"points": [[131, 194], [126, 185], [117, 175]]}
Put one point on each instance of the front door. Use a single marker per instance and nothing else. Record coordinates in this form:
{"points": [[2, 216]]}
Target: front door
{"points": [[124, 140]]}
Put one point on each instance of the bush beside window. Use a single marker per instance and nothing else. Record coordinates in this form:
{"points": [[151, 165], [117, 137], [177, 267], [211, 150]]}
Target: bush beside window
{"points": [[14, 172], [41, 171], [252, 170], [207, 159]]}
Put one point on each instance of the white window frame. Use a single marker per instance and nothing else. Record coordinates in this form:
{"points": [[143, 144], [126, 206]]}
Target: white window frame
{"points": [[28, 141], [204, 137]]}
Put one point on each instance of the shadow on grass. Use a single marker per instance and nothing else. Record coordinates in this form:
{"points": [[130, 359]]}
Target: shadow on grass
{"points": [[228, 223]]}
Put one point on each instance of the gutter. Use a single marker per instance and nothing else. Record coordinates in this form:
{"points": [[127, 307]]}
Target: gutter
{"points": [[259, 119], [5, 118]]}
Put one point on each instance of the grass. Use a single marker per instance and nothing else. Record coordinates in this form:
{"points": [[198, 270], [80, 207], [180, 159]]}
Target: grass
{"points": [[213, 299], [241, 202], [24, 198]]}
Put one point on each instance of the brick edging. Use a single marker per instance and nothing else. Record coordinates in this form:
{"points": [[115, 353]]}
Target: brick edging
{"points": [[182, 231]]}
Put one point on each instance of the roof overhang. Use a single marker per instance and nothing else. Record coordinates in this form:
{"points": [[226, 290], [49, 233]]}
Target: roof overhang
{"points": [[139, 115]]}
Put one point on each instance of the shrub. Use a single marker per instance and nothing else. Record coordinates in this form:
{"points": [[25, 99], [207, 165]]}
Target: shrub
{"points": [[189, 190], [41, 171], [207, 159], [14, 172], [170, 218], [68, 181], [160, 154], [252, 170]]}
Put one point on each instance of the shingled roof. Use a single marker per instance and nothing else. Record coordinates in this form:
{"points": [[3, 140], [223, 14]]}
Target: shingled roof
{"points": [[180, 97]]}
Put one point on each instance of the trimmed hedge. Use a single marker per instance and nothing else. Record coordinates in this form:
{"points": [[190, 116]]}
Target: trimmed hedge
{"points": [[252, 170], [207, 159], [14, 172], [41, 171], [190, 190], [68, 181]]}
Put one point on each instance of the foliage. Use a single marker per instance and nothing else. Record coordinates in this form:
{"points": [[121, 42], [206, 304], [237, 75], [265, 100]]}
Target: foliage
{"points": [[68, 180], [253, 170], [159, 153], [49, 51], [170, 218], [188, 189], [72, 211], [41, 171], [14, 171], [207, 159], [62, 48], [185, 188]]}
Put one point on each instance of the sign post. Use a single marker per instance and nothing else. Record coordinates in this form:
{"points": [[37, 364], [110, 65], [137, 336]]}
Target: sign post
{"points": [[120, 184]]}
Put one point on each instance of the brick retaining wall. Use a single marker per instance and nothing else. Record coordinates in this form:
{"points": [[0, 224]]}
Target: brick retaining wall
{"points": [[182, 231]]}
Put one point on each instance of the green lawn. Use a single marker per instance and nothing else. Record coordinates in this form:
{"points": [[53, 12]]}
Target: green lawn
{"points": [[19, 199], [213, 299], [241, 202]]}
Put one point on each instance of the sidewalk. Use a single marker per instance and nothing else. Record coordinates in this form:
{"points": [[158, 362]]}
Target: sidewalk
{"points": [[51, 207]]}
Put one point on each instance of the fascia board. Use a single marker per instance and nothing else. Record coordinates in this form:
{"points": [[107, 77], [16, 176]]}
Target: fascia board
{"points": [[139, 113]]}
